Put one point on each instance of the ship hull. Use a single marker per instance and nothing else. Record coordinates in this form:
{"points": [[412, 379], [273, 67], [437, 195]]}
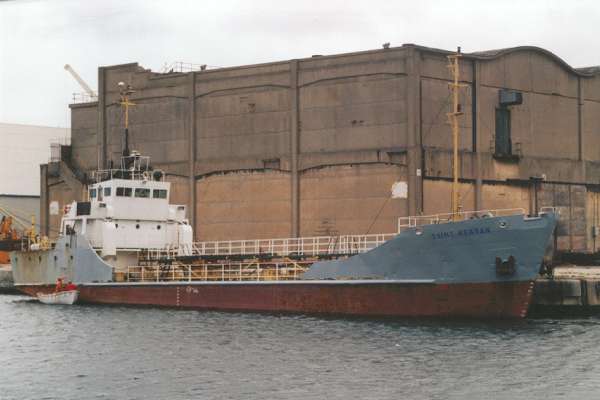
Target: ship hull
{"points": [[368, 299], [480, 268]]}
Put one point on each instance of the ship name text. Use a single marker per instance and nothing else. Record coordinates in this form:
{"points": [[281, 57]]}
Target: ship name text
{"points": [[460, 233]]}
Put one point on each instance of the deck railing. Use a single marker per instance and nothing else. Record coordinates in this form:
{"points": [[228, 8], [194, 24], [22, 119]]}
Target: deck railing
{"points": [[301, 247], [319, 246], [420, 220], [231, 271]]}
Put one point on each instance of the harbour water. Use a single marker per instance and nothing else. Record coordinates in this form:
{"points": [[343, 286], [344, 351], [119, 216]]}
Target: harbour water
{"points": [[97, 352]]}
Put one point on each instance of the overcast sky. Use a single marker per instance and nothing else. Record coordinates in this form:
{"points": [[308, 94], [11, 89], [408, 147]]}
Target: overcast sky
{"points": [[37, 37]]}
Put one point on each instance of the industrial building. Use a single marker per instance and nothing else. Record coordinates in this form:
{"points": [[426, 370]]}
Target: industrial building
{"points": [[313, 146], [25, 147]]}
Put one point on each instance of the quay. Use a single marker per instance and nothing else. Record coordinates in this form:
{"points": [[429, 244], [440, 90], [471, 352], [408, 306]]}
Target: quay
{"points": [[571, 289], [6, 280]]}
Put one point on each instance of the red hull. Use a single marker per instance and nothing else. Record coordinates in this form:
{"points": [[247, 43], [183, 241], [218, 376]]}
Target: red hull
{"points": [[477, 300]]}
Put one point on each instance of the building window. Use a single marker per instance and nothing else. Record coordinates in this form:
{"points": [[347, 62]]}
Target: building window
{"points": [[107, 192], [92, 193], [159, 193], [123, 192], [503, 146], [140, 192]]}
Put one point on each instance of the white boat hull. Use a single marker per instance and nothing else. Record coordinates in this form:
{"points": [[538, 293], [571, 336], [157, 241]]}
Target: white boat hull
{"points": [[66, 297]]}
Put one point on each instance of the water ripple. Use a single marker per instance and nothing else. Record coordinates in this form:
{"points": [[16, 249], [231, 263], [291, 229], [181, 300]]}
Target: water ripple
{"points": [[145, 353]]}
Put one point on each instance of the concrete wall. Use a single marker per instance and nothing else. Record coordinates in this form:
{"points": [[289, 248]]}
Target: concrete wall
{"points": [[308, 146], [334, 200], [437, 192], [243, 205], [62, 195], [351, 199], [84, 138], [545, 124]]}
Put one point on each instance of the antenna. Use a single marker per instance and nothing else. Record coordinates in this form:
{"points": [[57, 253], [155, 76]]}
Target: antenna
{"points": [[453, 65], [126, 91]]}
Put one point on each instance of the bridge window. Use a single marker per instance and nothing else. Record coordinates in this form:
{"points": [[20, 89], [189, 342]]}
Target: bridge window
{"points": [[140, 192], [124, 192], [106, 192], [159, 193], [92, 193]]}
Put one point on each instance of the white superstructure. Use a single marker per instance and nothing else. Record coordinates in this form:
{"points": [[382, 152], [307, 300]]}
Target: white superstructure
{"points": [[128, 211]]}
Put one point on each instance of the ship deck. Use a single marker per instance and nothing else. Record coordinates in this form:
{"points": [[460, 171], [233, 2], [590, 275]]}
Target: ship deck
{"points": [[267, 260]]}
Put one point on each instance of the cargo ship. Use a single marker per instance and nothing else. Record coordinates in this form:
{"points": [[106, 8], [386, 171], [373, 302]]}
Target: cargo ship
{"points": [[128, 245]]}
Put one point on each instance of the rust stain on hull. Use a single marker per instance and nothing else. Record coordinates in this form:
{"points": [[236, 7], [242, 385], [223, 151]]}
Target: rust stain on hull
{"points": [[477, 300]]}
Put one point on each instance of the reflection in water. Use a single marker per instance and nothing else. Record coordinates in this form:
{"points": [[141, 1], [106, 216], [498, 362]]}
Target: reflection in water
{"points": [[147, 353]]}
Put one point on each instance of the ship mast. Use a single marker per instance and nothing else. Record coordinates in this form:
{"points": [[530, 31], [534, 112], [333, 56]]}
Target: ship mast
{"points": [[455, 86], [125, 91]]}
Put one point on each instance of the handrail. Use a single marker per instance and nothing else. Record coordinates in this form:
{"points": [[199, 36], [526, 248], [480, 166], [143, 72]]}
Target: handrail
{"points": [[79, 98], [302, 246], [133, 167], [220, 272], [316, 246], [420, 220], [182, 67], [550, 209], [108, 174], [281, 247]]}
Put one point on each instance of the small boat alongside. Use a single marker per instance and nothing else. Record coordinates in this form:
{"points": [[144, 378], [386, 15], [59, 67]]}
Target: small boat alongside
{"points": [[66, 297]]}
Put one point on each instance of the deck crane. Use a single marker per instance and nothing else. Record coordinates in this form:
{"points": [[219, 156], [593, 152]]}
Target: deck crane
{"points": [[84, 86]]}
